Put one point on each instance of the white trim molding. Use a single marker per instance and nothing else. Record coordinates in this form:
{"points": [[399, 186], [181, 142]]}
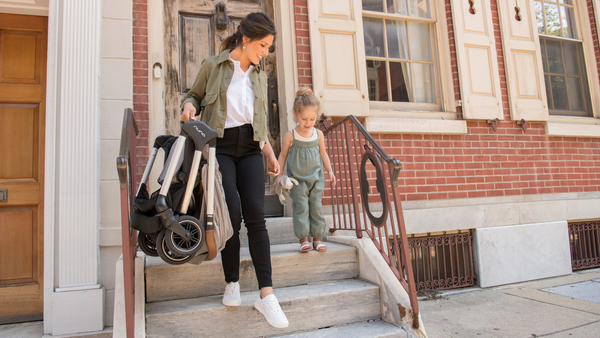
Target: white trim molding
{"points": [[415, 126], [574, 130]]}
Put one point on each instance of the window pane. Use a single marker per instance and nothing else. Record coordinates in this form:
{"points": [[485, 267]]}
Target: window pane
{"points": [[566, 2], [552, 20], [559, 92], [424, 83], [568, 22], [544, 56], [570, 53], [374, 44], [420, 43], [548, 91], [372, 5], [397, 7], [575, 97], [551, 0], [397, 39], [539, 16], [555, 62], [420, 8], [376, 76], [400, 76]]}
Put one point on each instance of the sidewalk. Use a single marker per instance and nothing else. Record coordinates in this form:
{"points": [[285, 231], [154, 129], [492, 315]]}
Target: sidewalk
{"points": [[530, 309]]}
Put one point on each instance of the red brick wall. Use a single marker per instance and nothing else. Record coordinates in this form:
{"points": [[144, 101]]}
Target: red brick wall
{"points": [[303, 43], [140, 82], [485, 163]]}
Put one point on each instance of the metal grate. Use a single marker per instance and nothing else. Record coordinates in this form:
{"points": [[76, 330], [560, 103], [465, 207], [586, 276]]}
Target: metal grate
{"points": [[585, 244], [443, 261]]}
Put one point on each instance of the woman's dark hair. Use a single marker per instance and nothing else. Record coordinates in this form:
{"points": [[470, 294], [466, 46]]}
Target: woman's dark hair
{"points": [[254, 26]]}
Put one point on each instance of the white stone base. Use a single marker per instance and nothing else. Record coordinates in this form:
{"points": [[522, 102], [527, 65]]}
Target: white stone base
{"points": [[518, 253], [119, 323], [78, 311]]}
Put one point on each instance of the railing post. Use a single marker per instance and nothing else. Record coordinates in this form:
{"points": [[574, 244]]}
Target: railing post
{"points": [[353, 180], [127, 183]]}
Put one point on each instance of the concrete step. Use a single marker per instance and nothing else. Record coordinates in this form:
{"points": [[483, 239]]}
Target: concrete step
{"points": [[374, 329], [281, 231], [307, 307], [290, 267]]}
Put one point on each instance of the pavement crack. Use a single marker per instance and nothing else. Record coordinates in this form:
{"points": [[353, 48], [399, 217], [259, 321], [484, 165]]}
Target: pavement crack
{"points": [[565, 330], [543, 302]]}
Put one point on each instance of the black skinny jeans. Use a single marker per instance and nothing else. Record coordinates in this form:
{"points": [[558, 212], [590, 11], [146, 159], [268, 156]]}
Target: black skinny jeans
{"points": [[241, 165]]}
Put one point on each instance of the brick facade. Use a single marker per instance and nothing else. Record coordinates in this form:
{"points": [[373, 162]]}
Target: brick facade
{"points": [[486, 163], [303, 43], [140, 83]]}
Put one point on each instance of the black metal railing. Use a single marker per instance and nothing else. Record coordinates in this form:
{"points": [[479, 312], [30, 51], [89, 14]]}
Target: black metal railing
{"points": [[364, 171], [443, 261], [585, 244]]}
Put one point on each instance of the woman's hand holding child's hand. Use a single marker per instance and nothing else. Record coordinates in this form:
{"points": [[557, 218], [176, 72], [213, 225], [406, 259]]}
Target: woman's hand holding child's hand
{"points": [[273, 165]]}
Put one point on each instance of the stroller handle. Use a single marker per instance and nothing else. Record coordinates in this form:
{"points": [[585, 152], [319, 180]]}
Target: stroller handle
{"points": [[200, 133]]}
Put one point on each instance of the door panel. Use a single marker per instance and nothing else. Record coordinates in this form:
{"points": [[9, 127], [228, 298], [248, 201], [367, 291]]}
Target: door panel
{"points": [[22, 116], [191, 35]]}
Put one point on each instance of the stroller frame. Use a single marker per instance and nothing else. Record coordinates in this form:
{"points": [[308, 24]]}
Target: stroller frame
{"points": [[173, 234]]}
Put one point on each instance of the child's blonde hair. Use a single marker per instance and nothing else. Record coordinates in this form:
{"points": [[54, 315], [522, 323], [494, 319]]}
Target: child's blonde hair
{"points": [[305, 98]]}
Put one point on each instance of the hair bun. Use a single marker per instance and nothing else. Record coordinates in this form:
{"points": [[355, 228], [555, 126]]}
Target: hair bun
{"points": [[304, 91]]}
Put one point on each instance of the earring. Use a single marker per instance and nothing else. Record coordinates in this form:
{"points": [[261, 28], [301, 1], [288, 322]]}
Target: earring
{"points": [[243, 47]]}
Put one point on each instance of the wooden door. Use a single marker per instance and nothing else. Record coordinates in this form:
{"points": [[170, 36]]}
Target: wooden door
{"points": [[192, 33], [22, 115]]}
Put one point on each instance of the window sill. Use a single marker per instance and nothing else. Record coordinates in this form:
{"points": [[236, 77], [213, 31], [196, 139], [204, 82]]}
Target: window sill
{"points": [[415, 126], [573, 129]]}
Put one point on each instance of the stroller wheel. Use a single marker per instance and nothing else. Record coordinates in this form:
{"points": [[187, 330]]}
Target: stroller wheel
{"points": [[186, 246], [166, 254], [147, 243]]}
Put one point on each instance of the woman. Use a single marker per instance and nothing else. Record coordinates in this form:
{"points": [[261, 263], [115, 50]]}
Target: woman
{"points": [[231, 91]]}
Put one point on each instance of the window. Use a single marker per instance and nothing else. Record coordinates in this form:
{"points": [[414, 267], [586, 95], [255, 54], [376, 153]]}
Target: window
{"points": [[401, 56], [562, 56]]}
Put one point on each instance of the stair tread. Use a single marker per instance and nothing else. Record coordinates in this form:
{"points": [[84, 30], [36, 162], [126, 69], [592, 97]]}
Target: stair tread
{"points": [[307, 307], [290, 267], [379, 329], [284, 295], [276, 250]]}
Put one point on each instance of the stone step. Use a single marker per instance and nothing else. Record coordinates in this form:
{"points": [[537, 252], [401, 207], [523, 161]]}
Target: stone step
{"points": [[307, 307], [290, 267], [281, 231], [374, 329]]}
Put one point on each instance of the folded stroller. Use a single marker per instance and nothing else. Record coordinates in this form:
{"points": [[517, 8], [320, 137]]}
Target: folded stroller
{"points": [[170, 222]]}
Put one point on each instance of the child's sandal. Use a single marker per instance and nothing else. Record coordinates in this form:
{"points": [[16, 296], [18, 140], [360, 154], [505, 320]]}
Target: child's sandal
{"points": [[319, 246], [305, 245]]}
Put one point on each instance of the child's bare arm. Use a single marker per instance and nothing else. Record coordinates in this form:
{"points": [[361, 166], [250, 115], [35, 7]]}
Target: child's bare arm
{"points": [[325, 158], [285, 149]]}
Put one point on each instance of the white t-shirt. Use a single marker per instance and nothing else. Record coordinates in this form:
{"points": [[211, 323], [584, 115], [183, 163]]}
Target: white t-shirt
{"points": [[312, 136], [240, 97]]}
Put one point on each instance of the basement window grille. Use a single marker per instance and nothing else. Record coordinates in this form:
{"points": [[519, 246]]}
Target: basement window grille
{"points": [[585, 244], [442, 261]]}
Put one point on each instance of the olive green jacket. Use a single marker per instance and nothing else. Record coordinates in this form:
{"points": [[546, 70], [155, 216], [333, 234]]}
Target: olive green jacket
{"points": [[209, 94]]}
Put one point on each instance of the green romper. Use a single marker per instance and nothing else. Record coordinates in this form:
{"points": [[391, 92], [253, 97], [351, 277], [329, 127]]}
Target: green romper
{"points": [[304, 163]]}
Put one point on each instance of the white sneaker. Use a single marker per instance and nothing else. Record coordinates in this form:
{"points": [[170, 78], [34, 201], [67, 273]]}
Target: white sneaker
{"points": [[269, 307], [231, 297]]}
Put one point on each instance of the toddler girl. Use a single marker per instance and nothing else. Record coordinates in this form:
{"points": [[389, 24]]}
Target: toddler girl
{"points": [[304, 152]]}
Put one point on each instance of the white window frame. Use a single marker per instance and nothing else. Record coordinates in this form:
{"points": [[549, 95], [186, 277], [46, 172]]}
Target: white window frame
{"points": [[582, 126], [400, 117]]}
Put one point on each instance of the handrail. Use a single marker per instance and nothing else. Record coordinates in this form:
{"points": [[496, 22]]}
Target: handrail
{"points": [[351, 147], [127, 153], [384, 156]]}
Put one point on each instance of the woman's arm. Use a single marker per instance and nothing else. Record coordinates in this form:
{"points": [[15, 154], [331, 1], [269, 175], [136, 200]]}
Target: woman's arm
{"points": [[325, 158], [271, 159], [191, 103]]}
